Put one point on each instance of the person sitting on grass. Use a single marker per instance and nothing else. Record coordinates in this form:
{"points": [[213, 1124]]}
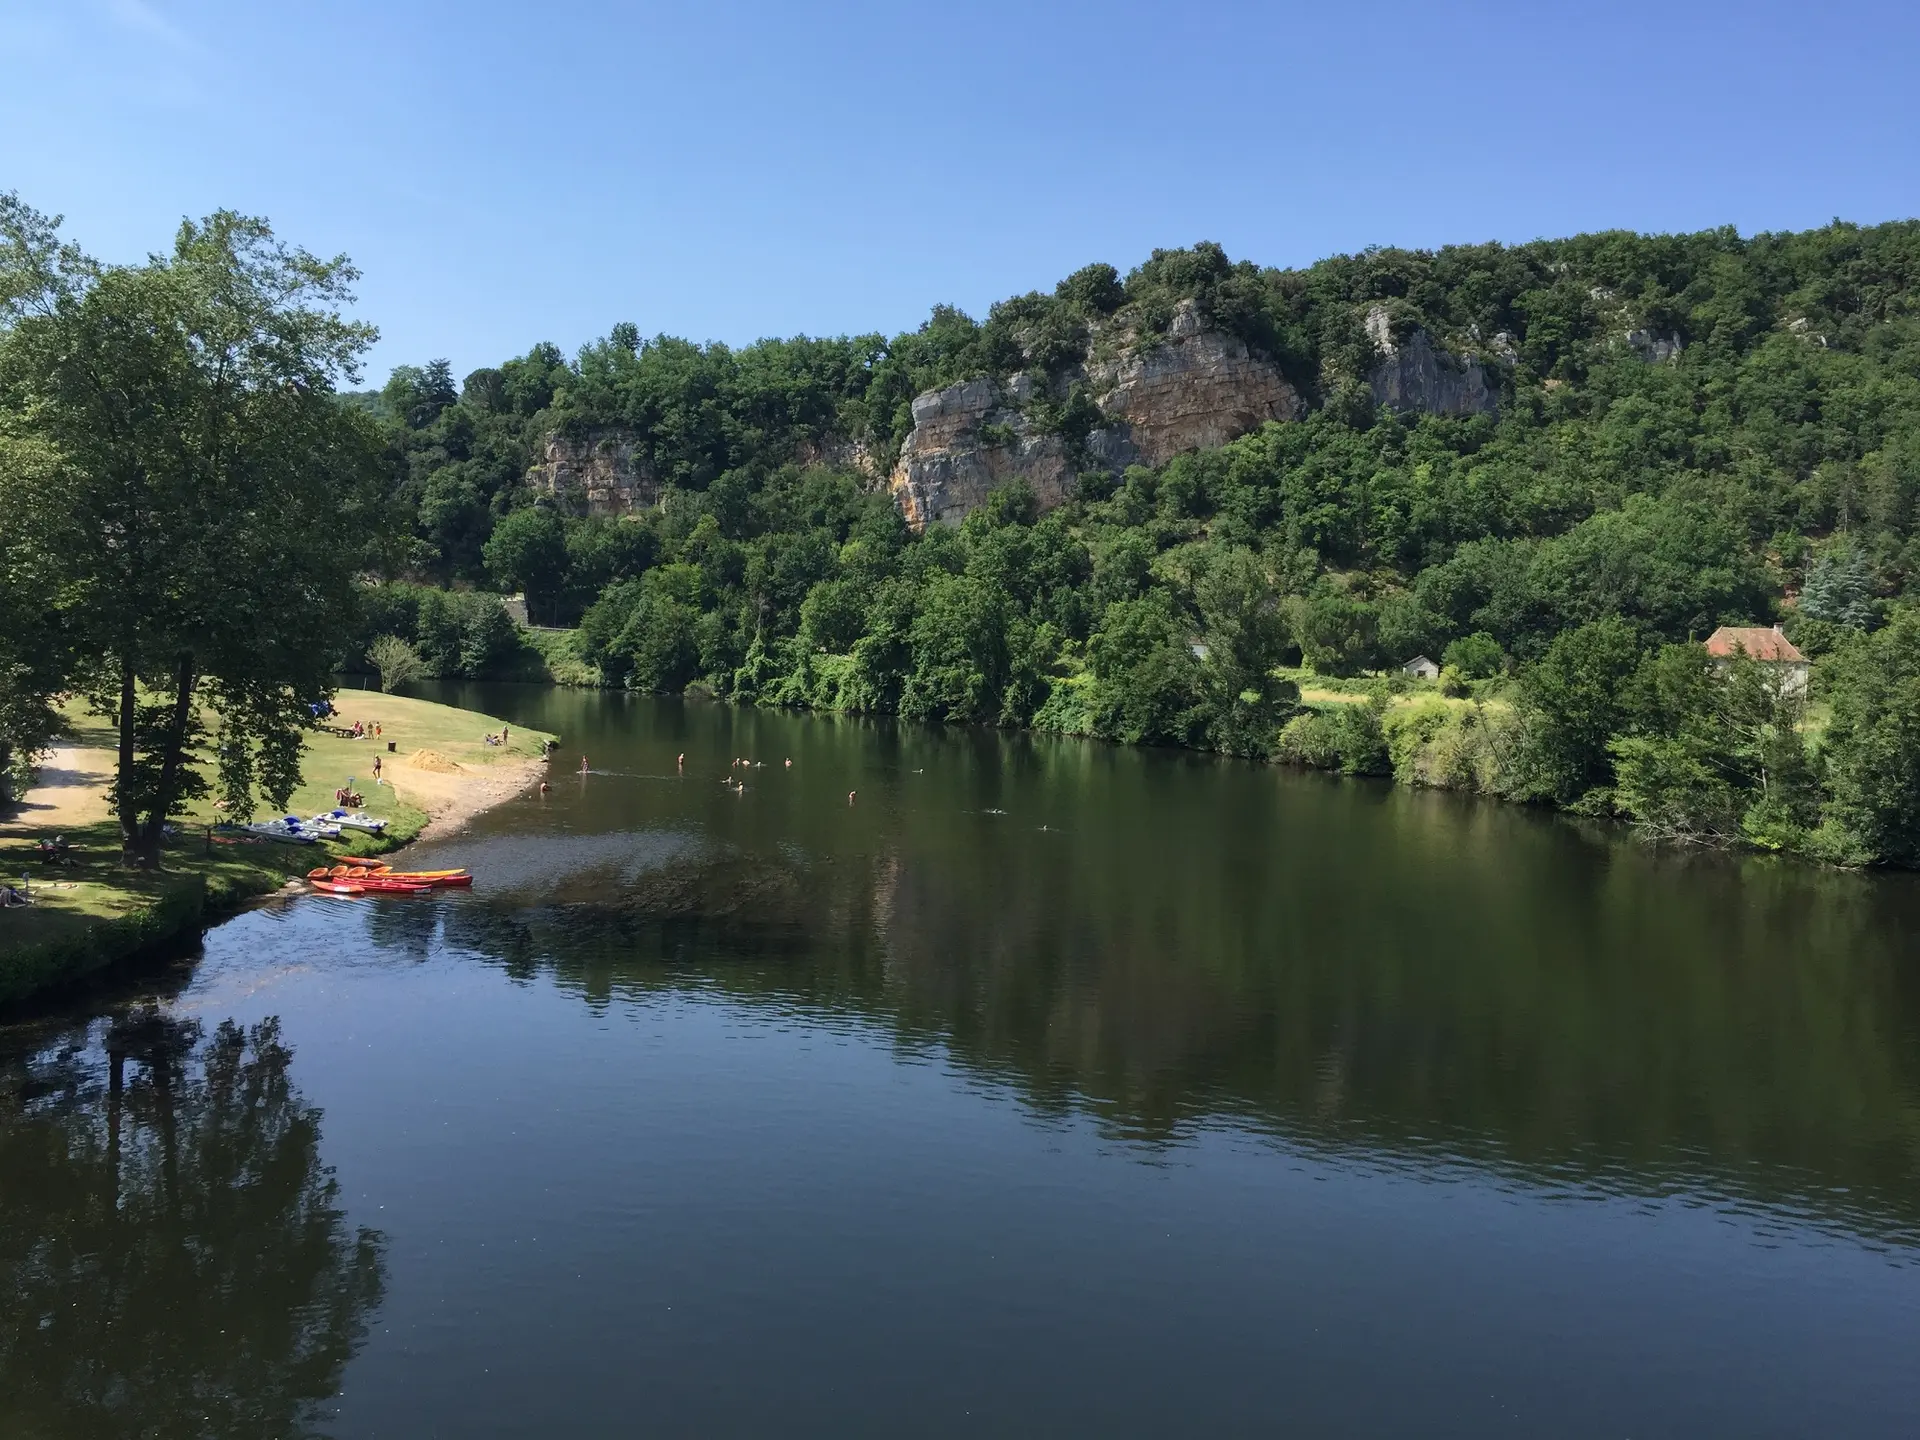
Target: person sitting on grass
{"points": [[11, 898]]}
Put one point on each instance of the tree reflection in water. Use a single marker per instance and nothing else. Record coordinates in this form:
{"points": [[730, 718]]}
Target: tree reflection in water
{"points": [[1747, 1033], [173, 1256]]}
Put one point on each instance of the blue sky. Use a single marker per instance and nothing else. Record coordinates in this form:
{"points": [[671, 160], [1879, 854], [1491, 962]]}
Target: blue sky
{"points": [[511, 172]]}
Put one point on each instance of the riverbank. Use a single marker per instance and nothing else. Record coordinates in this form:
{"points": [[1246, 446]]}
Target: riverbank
{"points": [[91, 914]]}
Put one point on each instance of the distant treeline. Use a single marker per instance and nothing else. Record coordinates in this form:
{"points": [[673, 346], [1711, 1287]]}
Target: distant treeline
{"points": [[1692, 430]]}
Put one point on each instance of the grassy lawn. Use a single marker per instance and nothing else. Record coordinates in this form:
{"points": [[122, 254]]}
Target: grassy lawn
{"points": [[92, 911], [412, 726], [1316, 689]]}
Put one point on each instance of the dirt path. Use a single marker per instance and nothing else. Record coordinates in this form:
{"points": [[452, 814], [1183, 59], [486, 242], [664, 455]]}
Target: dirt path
{"points": [[71, 792]]}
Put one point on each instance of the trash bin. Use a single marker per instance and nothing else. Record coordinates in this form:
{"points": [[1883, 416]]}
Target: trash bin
{"points": [[390, 749]]}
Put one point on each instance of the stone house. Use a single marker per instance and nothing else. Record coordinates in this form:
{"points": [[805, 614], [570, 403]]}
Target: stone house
{"points": [[1769, 646], [1421, 667]]}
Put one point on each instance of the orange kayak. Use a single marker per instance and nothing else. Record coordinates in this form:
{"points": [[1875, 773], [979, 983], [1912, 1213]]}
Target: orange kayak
{"points": [[368, 887], [411, 877]]}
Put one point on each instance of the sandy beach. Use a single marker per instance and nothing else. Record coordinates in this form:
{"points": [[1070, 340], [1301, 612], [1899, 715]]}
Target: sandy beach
{"points": [[452, 798]]}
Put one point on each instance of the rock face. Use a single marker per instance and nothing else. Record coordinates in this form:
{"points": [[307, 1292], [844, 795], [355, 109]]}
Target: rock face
{"points": [[1654, 348], [601, 473], [605, 472], [967, 441], [1198, 388], [1413, 376], [838, 453]]}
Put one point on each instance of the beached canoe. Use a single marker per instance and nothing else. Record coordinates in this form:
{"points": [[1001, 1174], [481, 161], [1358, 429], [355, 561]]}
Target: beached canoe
{"points": [[352, 820], [369, 887], [350, 870], [292, 830]]}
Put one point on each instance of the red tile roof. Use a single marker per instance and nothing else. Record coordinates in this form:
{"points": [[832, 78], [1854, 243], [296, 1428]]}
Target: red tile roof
{"points": [[1757, 641]]}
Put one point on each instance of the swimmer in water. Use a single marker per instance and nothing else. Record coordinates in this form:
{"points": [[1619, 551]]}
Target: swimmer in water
{"points": [[544, 787], [789, 762], [583, 764], [850, 795], [682, 761]]}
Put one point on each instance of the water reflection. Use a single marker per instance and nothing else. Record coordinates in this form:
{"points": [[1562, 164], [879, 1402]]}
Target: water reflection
{"points": [[1780, 1083], [1163, 939], [173, 1256]]}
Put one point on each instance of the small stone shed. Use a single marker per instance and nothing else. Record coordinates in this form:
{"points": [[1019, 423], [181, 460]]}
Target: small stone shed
{"points": [[1765, 644]]}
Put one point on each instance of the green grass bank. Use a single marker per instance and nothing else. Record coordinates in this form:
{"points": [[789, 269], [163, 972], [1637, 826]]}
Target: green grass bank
{"points": [[90, 914]]}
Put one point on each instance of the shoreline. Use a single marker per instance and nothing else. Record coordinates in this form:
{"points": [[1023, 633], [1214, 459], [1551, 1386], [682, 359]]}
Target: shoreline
{"points": [[448, 809], [97, 919]]}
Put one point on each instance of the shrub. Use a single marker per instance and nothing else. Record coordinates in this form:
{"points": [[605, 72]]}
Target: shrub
{"points": [[1347, 738], [1476, 657], [396, 660]]}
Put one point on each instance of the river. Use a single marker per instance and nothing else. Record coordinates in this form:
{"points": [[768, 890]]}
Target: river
{"points": [[1035, 1087]]}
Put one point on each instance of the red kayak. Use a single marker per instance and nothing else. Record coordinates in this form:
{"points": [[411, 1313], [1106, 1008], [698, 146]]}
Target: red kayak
{"points": [[370, 887]]}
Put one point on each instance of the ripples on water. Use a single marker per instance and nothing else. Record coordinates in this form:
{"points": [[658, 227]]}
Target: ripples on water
{"points": [[1241, 1064]]}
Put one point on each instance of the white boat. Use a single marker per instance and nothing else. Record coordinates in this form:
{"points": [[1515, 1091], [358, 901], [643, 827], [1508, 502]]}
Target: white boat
{"points": [[293, 830], [351, 820], [289, 830]]}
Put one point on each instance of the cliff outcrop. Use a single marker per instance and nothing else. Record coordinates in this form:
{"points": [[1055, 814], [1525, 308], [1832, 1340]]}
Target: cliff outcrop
{"points": [[1195, 389], [1198, 389], [1412, 376], [605, 471], [599, 473]]}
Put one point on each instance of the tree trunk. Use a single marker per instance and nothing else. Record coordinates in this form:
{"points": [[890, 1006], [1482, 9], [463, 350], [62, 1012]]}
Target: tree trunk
{"points": [[173, 753], [128, 802]]}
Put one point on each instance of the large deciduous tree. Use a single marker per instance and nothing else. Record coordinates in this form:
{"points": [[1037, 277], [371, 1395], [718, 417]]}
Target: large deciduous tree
{"points": [[199, 531], [34, 662]]}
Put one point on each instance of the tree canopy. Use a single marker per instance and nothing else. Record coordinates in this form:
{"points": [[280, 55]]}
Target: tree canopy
{"points": [[200, 500]]}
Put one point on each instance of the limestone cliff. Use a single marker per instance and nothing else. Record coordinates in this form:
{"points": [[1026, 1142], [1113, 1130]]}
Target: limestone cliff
{"points": [[967, 441], [1197, 388], [1655, 348], [599, 473], [1413, 376], [605, 471]]}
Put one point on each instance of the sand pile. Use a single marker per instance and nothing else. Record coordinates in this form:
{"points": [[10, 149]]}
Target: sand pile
{"points": [[434, 760]]}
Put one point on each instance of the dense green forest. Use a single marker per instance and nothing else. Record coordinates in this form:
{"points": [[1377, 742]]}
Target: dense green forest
{"points": [[1691, 430]]}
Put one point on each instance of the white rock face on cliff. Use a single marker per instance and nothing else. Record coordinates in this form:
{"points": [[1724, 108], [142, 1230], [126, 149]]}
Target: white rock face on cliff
{"points": [[967, 441], [1412, 376], [1655, 348], [606, 473], [1196, 389], [600, 473], [1200, 389]]}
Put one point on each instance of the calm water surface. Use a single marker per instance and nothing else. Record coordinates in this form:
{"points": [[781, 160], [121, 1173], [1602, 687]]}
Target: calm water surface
{"points": [[1045, 1089]]}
